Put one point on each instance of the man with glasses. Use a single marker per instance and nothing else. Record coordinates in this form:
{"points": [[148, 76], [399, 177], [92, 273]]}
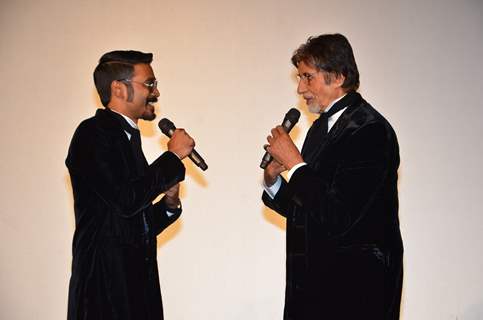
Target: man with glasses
{"points": [[344, 247], [114, 267]]}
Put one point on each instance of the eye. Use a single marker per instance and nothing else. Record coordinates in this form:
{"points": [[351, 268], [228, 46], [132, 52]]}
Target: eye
{"points": [[151, 84], [307, 76]]}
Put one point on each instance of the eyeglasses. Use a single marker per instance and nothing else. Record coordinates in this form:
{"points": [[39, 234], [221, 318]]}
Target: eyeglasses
{"points": [[151, 84], [306, 77]]}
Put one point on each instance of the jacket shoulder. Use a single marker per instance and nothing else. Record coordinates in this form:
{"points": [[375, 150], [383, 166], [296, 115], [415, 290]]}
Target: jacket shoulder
{"points": [[365, 115], [101, 130], [101, 123]]}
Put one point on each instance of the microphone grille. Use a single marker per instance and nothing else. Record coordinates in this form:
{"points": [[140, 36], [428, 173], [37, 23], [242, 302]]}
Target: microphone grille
{"points": [[293, 115], [166, 126]]}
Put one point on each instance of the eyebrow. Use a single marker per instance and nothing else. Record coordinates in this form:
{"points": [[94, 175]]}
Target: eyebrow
{"points": [[305, 74]]}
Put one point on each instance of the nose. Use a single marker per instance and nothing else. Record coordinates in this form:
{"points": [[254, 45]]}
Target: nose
{"points": [[302, 87], [155, 92]]}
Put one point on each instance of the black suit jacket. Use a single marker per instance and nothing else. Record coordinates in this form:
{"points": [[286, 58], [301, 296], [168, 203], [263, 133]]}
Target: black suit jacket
{"points": [[114, 268], [344, 248]]}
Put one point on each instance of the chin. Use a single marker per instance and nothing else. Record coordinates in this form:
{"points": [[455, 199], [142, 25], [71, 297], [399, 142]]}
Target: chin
{"points": [[148, 116], [313, 108]]}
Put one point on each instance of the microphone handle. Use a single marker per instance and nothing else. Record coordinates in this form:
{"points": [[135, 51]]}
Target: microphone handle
{"points": [[198, 160], [194, 156], [267, 157]]}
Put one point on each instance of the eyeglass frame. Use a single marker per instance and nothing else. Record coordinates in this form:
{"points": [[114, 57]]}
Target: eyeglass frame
{"points": [[151, 85], [306, 77]]}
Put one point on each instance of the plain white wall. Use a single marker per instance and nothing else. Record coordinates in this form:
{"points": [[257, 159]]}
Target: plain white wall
{"points": [[224, 74]]}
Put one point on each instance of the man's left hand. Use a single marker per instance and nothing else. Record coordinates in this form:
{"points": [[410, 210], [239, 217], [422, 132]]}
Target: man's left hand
{"points": [[171, 197]]}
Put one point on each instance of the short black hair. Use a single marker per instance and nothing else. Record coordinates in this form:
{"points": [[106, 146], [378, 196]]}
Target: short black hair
{"points": [[331, 53], [116, 65]]}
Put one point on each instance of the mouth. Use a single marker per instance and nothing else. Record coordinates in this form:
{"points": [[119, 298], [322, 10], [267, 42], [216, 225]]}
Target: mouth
{"points": [[308, 100], [149, 109], [150, 101]]}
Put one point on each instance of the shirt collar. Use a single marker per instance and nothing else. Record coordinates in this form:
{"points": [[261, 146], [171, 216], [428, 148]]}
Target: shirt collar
{"points": [[334, 102], [129, 120]]}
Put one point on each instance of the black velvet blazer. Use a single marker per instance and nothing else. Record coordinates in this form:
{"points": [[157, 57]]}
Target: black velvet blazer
{"points": [[344, 248], [114, 268]]}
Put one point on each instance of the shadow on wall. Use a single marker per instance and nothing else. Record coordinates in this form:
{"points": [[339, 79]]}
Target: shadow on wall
{"points": [[194, 173], [274, 218], [169, 233]]}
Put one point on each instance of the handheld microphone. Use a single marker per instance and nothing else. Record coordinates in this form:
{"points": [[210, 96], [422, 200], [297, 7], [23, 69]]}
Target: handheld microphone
{"points": [[291, 118], [167, 127]]}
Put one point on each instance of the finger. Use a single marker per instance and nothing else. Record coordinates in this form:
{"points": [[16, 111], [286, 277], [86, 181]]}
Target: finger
{"points": [[172, 192], [280, 130], [274, 132]]}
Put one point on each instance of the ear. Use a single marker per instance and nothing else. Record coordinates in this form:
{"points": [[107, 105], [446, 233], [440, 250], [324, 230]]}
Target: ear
{"points": [[118, 90], [338, 79]]}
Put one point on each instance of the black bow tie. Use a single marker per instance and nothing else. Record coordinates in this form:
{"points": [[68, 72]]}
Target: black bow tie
{"points": [[317, 134]]}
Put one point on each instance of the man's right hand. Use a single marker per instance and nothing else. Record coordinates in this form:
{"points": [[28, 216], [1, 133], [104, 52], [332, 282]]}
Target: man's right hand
{"points": [[272, 171], [181, 143]]}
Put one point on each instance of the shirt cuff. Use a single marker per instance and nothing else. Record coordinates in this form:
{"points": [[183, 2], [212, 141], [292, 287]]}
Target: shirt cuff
{"points": [[174, 154], [294, 168], [172, 212], [273, 189]]}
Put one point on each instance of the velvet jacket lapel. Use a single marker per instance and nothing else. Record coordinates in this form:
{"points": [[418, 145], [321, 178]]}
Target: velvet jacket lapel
{"points": [[352, 100], [109, 122]]}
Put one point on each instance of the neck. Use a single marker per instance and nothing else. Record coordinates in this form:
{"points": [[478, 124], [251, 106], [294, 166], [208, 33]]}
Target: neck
{"points": [[122, 111]]}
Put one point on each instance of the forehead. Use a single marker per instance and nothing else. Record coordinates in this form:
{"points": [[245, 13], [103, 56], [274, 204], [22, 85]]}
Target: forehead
{"points": [[303, 67], [143, 71]]}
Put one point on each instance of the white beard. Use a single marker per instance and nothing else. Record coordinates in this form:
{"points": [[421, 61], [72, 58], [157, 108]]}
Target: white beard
{"points": [[314, 108]]}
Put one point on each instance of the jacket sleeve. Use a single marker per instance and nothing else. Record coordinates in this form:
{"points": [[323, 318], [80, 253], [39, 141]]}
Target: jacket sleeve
{"points": [[340, 200], [159, 218], [98, 161], [280, 203]]}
